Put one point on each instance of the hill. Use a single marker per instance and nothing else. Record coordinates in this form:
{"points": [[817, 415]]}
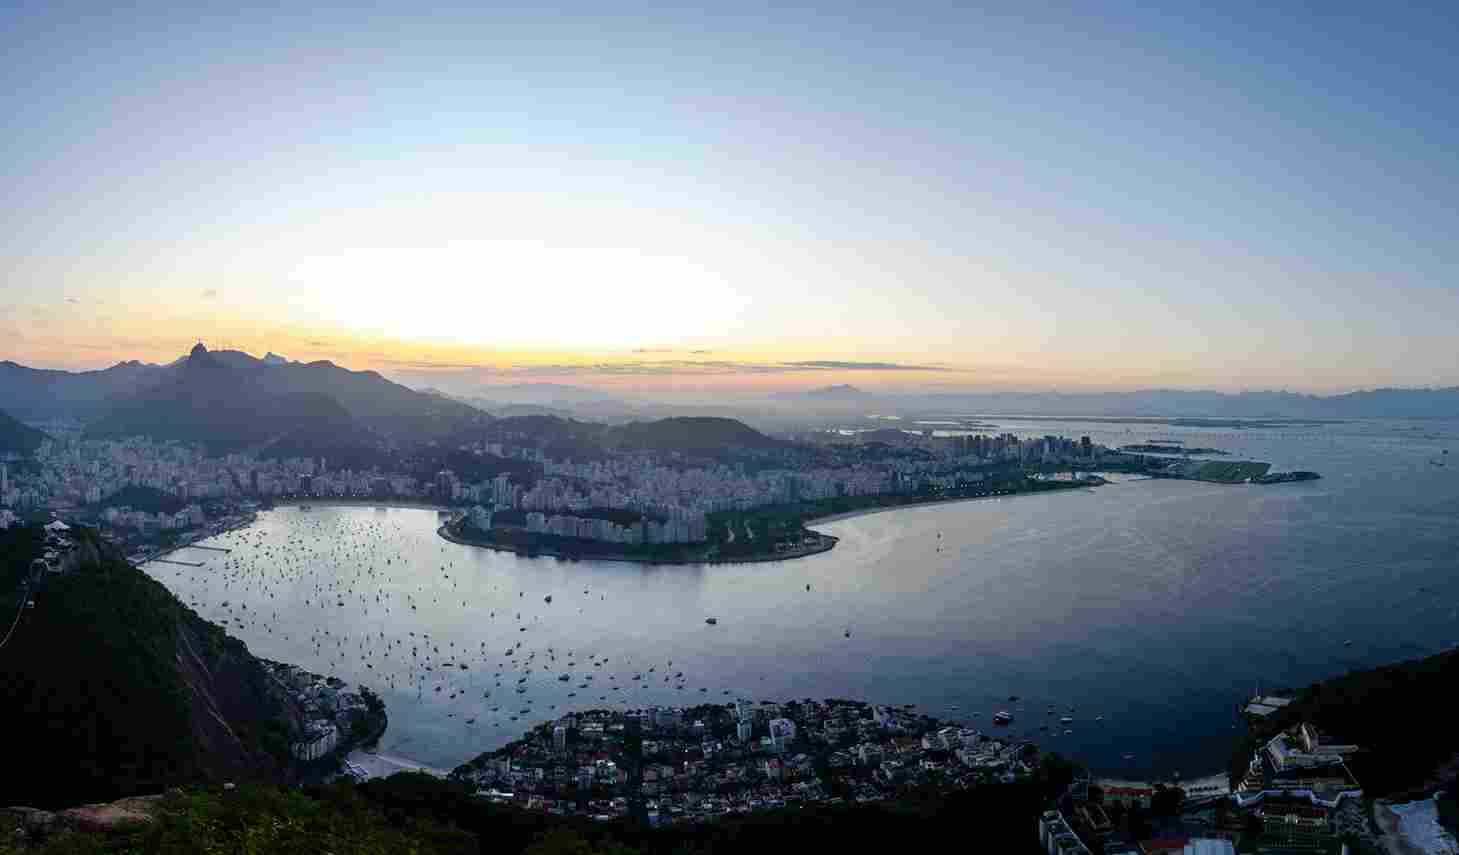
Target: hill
{"points": [[111, 687], [689, 435], [37, 393], [148, 499], [565, 437], [1393, 712], [17, 437], [416, 813], [217, 402], [229, 399]]}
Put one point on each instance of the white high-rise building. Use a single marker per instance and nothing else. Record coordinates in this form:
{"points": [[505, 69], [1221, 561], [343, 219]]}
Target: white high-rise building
{"points": [[782, 732]]}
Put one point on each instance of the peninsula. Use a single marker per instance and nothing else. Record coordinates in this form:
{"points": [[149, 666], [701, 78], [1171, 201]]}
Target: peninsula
{"points": [[774, 532]]}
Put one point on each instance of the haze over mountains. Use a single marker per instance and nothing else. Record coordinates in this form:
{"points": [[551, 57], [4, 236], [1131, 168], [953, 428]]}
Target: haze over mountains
{"points": [[230, 400], [1374, 403]]}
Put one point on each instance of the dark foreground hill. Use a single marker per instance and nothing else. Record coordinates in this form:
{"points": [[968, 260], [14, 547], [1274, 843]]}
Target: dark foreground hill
{"points": [[1400, 715], [109, 686], [417, 813]]}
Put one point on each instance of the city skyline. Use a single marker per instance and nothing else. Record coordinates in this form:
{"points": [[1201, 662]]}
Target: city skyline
{"points": [[645, 201]]}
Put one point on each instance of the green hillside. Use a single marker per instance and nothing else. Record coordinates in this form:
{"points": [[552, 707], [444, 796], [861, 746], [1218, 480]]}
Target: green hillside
{"points": [[419, 814], [116, 688], [1400, 715]]}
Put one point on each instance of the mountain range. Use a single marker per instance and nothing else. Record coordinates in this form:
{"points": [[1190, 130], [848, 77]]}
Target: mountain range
{"points": [[1372, 403], [230, 400]]}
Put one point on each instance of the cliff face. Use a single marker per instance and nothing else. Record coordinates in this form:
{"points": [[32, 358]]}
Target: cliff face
{"points": [[239, 719], [111, 687]]}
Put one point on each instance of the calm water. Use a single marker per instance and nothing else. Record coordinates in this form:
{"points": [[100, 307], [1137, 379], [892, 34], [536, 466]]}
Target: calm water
{"points": [[1158, 605]]}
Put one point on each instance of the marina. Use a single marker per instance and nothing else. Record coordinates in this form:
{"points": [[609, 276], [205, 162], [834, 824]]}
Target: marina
{"points": [[1062, 601]]}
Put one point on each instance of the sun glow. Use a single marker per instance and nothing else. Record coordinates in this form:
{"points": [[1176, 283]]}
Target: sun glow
{"points": [[515, 293]]}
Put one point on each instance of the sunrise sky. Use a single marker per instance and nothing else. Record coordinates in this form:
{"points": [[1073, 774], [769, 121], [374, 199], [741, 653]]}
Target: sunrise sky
{"points": [[754, 197]]}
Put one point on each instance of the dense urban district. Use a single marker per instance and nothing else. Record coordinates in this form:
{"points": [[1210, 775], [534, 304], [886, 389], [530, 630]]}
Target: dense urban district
{"points": [[739, 502], [670, 765]]}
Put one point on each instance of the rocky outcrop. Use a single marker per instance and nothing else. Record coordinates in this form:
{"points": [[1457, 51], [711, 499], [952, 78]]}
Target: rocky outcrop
{"points": [[35, 825]]}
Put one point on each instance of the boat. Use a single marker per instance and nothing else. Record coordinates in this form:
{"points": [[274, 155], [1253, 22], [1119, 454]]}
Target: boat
{"points": [[1066, 720], [711, 621], [1002, 717]]}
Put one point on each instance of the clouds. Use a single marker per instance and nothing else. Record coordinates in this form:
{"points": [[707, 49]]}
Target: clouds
{"points": [[837, 365], [210, 294], [661, 367]]}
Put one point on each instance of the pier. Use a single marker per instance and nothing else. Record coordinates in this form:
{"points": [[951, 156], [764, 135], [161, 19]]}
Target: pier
{"points": [[183, 563], [200, 546]]}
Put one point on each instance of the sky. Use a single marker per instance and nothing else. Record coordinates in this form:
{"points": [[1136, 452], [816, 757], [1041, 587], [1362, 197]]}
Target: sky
{"points": [[741, 197]]}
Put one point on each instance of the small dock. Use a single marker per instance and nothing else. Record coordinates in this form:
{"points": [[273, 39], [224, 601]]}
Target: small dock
{"points": [[209, 548], [183, 563]]}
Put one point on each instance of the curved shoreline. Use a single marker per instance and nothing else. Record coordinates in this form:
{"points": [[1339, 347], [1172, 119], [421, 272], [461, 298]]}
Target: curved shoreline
{"points": [[827, 544], [356, 503], [846, 515]]}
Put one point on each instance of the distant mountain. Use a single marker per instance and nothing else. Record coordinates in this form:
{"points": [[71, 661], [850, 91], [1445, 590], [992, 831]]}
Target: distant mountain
{"points": [[840, 391], [230, 400], [546, 394], [506, 411], [221, 401], [1376, 403], [272, 358], [18, 437], [36, 393]]}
